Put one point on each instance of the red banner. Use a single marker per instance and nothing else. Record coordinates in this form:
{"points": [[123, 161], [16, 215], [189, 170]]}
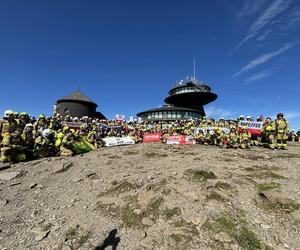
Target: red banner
{"points": [[152, 137], [255, 128]]}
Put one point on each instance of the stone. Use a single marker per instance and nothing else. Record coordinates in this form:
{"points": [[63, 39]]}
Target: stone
{"points": [[7, 176], [296, 215], [4, 166], [33, 185], [3, 202], [146, 221], [222, 237], [77, 179], [141, 234], [137, 211], [174, 173], [15, 183], [278, 198], [56, 169], [40, 234]]}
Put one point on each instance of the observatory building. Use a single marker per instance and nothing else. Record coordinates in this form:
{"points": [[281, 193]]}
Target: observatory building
{"points": [[185, 101], [78, 105]]}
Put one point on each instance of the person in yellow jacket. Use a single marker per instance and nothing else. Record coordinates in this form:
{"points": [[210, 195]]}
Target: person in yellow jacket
{"points": [[280, 126], [8, 125], [245, 138], [67, 143], [268, 133], [232, 139]]}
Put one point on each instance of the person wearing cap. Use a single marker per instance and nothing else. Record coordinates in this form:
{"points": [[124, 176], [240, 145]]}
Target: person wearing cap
{"points": [[245, 138], [23, 120], [28, 138], [67, 143], [8, 124], [280, 126], [45, 144], [232, 139], [41, 123], [268, 131]]}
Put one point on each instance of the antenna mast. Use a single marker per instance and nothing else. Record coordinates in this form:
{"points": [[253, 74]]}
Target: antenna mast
{"points": [[194, 69]]}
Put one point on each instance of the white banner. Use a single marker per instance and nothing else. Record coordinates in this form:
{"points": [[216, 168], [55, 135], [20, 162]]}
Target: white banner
{"points": [[210, 130], [117, 141], [251, 125], [120, 117]]}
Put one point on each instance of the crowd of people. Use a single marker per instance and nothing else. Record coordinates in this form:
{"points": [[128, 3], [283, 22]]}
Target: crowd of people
{"points": [[22, 137]]}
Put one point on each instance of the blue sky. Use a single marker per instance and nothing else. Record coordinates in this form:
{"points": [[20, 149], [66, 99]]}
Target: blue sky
{"points": [[126, 55]]}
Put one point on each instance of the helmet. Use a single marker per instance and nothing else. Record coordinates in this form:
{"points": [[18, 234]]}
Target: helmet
{"points": [[42, 116], [248, 117], [7, 113], [65, 128], [46, 132], [28, 125], [16, 113], [280, 114], [244, 128], [241, 116], [23, 114]]}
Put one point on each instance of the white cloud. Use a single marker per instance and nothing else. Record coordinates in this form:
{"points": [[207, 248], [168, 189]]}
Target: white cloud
{"points": [[264, 36], [259, 75], [250, 7], [217, 112], [276, 7], [291, 115], [266, 57]]}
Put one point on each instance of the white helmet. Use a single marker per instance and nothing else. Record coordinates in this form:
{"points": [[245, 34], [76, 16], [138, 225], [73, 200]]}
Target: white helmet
{"points": [[248, 117], [8, 112], [46, 132], [28, 125], [75, 119], [241, 116]]}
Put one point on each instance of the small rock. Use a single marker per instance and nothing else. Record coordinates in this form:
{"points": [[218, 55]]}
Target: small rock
{"points": [[56, 169], [66, 247], [34, 213], [146, 221], [77, 179], [174, 173], [222, 237], [4, 166], [40, 186], [296, 215], [141, 234], [33, 185], [14, 183], [40, 234], [3, 202], [7, 176], [137, 211], [126, 174]]}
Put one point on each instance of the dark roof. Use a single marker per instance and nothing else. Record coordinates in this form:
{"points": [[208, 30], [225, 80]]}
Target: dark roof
{"points": [[77, 96], [170, 109]]}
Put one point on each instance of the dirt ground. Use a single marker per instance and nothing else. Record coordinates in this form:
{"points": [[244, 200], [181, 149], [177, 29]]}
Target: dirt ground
{"points": [[153, 196]]}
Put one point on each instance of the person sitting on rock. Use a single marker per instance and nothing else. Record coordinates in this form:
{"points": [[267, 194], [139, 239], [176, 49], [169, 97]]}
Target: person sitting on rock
{"points": [[67, 144], [245, 138], [45, 144]]}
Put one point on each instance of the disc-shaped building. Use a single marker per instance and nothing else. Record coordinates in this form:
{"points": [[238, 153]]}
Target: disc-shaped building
{"points": [[185, 101], [78, 105]]}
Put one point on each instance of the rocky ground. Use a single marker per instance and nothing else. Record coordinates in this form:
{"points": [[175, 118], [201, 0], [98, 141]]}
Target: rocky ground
{"points": [[153, 196]]}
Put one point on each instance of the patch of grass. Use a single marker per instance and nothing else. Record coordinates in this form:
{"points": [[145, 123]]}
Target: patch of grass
{"points": [[154, 155], [201, 175], [215, 196], [170, 212], [83, 238], [248, 239], [121, 187], [153, 207], [130, 152], [222, 185], [262, 173], [70, 232], [267, 186], [238, 230], [129, 218]]}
